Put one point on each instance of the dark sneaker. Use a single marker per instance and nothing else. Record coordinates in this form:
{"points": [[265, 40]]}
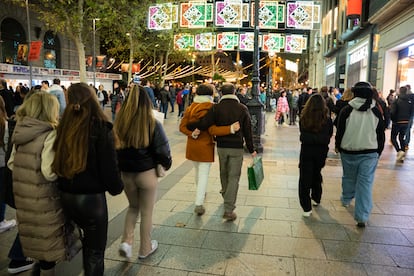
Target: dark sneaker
{"points": [[229, 216], [199, 210], [361, 224], [20, 266]]}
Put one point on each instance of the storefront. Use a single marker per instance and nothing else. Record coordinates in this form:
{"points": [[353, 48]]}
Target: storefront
{"points": [[330, 74], [357, 63], [405, 70], [15, 74]]}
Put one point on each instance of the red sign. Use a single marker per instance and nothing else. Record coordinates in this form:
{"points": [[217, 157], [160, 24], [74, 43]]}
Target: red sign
{"points": [[354, 8], [34, 52]]}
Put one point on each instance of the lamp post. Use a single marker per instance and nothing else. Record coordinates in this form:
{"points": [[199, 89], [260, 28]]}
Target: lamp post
{"points": [[94, 51], [192, 62], [29, 42], [254, 105], [131, 56]]}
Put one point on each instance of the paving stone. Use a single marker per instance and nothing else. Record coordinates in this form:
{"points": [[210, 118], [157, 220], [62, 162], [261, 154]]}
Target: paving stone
{"points": [[381, 270], [309, 267], [293, 247], [390, 236], [259, 265], [235, 242], [317, 230], [357, 252], [402, 255], [200, 260], [265, 227]]}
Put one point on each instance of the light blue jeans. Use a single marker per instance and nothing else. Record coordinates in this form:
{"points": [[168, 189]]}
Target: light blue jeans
{"points": [[357, 181]]}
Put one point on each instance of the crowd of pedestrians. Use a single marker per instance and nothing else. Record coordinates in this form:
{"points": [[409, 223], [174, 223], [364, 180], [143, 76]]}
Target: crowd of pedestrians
{"points": [[60, 147]]}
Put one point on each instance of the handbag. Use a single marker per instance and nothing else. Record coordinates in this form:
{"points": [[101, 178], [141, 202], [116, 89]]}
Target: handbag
{"points": [[160, 170], [255, 173]]}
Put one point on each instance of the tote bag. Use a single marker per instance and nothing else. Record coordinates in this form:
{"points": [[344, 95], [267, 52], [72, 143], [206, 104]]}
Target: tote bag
{"points": [[255, 173]]}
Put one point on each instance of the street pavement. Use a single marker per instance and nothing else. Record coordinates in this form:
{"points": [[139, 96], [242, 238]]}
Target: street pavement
{"points": [[269, 236]]}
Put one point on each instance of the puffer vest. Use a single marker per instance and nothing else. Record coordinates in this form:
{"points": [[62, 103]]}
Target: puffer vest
{"points": [[38, 207]]}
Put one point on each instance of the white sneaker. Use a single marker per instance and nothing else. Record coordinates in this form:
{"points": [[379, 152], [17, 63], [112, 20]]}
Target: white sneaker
{"points": [[6, 225], [125, 250], [314, 203], [307, 214]]}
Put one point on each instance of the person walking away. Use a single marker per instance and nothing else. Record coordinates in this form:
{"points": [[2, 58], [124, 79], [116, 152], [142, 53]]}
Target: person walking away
{"points": [[401, 112], [173, 95], [143, 145], [316, 130], [293, 108], [5, 225], [147, 85], [303, 98], [410, 123], [101, 96], [7, 98], [86, 164], [360, 141], [165, 98], [341, 103], [37, 199], [57, 91], [180, 102], [282, 109], [230, 148], [200, 145]]}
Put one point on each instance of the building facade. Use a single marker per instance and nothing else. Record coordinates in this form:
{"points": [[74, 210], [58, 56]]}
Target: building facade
{"points": [[58, 57]]}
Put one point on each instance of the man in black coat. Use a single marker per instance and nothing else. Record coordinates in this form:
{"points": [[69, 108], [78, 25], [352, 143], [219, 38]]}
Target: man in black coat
{"points": [[7, 97]]}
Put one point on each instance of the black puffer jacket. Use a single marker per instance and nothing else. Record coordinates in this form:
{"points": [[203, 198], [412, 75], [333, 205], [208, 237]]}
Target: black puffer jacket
{"points": [[402, 109], [139, 160], [101, 173]]}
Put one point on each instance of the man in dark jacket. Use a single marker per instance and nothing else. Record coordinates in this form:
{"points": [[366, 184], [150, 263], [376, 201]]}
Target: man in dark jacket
{"points": [[360, 139], [7, 97], [303, 98], [401, 113], [229, 147], [165, 99]]}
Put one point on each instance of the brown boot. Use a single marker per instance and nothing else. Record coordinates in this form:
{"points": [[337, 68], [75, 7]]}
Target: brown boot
{"points": [[229, 216]]}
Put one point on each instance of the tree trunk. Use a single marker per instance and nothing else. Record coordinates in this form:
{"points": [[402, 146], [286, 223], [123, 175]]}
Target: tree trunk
{"points": [[81, 56]]}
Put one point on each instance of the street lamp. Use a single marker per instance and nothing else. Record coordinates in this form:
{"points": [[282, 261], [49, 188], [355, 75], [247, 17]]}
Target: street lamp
{"points": [[281, 82], [131, 56], [94, 51], [192, 62], [29, 42]]}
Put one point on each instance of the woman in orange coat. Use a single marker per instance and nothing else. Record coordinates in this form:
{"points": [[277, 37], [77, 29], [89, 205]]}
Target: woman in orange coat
{"points": [[200, 144]]}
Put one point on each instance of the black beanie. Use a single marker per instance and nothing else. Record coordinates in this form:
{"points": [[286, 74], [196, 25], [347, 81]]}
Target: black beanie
{"points": [[362, 89]]}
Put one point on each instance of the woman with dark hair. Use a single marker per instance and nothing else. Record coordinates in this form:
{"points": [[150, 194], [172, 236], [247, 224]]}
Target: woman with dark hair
{"points": [[86, 164], [315, 133], [143, 146]]}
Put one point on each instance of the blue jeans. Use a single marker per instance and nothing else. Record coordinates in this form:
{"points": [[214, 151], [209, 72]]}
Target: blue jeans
{"points": [[164, 109], [357, 181], [16, 251]]}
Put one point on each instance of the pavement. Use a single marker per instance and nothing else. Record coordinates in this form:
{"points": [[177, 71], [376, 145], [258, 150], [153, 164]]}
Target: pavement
{"points": [[269, 236]]}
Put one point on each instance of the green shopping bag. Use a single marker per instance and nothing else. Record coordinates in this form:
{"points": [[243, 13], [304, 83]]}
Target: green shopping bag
{"points": [[255, 173]]}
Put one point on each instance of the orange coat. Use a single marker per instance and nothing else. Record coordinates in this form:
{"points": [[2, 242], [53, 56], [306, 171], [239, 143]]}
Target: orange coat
{"points": [[202, 148]]}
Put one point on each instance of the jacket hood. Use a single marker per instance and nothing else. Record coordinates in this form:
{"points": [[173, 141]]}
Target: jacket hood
{"points": [[362, 104], [28, 129], [200, 109]]}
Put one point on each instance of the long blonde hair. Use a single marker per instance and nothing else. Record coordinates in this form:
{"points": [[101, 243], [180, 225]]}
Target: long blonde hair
{"points": [[72, 138], [41, 106], [135, 122]]}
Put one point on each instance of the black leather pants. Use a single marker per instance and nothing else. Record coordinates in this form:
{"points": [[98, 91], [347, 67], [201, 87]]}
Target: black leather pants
{"points": [[90, 213]]}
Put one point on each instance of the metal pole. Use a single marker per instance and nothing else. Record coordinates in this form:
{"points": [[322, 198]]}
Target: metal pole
{"points": [[256, 53], [94, 52], [192, 61], [29, 42]]}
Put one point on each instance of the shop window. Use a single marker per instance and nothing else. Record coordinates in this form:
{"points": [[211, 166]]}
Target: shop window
{"points": [[13, 45], [51, 46]]}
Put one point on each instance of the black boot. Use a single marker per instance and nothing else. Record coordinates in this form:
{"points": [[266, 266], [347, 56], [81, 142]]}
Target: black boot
{"points": [[93, 262]]}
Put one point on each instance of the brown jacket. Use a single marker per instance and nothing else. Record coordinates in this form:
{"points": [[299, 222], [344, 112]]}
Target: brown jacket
{"points": [[202, 148], [38, 207]]}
